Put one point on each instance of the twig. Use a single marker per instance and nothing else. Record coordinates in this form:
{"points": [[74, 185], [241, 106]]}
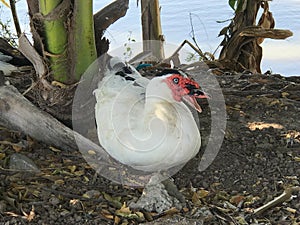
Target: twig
{"points": [[225, 216], [194, 35], [180, 47], [15, 17], [286, 195]]}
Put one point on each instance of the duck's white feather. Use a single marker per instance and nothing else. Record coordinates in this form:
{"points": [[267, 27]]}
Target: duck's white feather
{"points": [[139, 125]]}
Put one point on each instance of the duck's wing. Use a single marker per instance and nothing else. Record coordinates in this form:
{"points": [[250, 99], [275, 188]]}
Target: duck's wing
{"points": [[120, 98]]}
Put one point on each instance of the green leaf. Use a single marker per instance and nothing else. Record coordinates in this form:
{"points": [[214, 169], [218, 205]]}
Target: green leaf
{"points": [[238, 5], [115, 201], [232, 3], [223, 31]]}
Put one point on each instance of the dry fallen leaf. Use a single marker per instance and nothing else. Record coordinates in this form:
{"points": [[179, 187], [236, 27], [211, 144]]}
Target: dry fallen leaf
{"points": [[79, 172], [108, 216], [17, 147], [124, 209], [198, 195], [202, 193], [74, 201], [284, 94], [59, 182], [115, 201], [171, 211], [291, 210], [72, 168], [237, 199], [2, 156], [29, 217], [185, 209], [195, 199], [54, 149], [297, 159], [117, 220]]}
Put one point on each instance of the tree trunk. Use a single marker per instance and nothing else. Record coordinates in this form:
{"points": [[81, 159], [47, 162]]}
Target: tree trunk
{"points": [[75, 55], [241, 46], [81, 44], [151, 25], [55, 36], [242, 53]]}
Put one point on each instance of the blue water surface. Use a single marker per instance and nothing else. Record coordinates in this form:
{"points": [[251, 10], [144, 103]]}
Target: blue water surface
{"points": [[280, 56]]}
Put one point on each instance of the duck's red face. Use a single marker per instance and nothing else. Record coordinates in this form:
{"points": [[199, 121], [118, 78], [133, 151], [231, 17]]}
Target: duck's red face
{"points": [[184, 88]]}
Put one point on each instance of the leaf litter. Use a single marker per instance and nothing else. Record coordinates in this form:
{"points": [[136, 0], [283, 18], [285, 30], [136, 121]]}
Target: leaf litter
{"points": [[264, 166]]}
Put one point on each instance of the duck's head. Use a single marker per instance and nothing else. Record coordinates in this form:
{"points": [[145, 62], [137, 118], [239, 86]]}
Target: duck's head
{"points": [[185, 89]]}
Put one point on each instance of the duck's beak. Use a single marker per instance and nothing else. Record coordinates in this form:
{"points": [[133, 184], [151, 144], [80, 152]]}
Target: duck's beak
{"points": [[197, 93], [191, 99]]}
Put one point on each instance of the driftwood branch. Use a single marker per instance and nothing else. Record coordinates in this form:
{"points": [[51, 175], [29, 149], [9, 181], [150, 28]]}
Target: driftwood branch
{"points": [[266, 33], [104, 18], [16, 112], [110, 14]]}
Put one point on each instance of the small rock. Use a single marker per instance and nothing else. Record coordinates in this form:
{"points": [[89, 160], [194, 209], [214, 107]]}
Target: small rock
{"points": [[78, 218], [155, 198], [22, 163], [92, 194], [64, 212], [54, 200], [203, 213]]}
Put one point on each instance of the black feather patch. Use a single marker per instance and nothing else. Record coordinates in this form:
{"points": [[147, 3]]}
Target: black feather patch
{"points": [[125, 73], [168, 71], [127, 70]]}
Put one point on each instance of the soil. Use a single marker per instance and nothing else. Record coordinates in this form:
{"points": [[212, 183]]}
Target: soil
{"points": [[258, 161]]}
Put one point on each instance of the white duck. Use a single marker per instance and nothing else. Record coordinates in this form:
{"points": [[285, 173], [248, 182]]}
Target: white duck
{"points": [[144, 123]]}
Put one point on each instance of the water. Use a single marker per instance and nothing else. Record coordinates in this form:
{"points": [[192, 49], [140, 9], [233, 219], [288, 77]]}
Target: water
{"points": [[281, 56]]}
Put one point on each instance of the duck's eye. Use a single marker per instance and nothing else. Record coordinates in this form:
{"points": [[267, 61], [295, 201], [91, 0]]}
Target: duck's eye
{"points": [[175, 80]]}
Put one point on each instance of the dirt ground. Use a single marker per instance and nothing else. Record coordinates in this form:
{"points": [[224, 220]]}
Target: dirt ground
{"points": [[259, 160]]}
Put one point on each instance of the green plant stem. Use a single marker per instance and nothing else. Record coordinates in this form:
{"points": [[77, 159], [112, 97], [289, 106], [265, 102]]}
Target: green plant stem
{"points": [[55, 34], [84, 38]]}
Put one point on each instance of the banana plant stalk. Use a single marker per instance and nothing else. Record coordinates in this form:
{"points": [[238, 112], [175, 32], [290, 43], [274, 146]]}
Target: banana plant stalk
{"points": [[56, 38], [83, 37]]}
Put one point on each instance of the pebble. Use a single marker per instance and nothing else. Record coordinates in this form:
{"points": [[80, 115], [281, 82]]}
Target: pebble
{"points": [[54, 200], [22, 163]]}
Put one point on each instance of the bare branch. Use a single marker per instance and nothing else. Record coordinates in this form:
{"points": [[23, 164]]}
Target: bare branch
{"points": [[266, 33], [15, 16]]}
